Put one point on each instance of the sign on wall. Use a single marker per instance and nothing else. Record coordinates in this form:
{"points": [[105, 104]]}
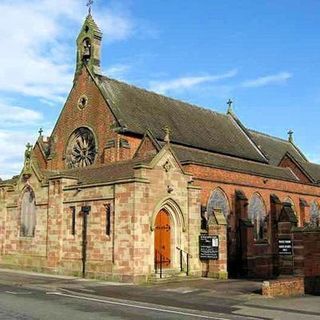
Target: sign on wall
{"points": [[208, 247], [285, 247]]}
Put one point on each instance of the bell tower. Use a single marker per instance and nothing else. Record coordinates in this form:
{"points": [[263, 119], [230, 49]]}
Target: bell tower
{"points": [[89, 46]]}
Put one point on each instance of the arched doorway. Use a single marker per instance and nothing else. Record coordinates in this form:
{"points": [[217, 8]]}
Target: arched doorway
{"points": [[162, 239]]}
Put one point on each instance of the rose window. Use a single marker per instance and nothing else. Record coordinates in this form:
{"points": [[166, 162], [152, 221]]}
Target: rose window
{"points": [[81, 150]]}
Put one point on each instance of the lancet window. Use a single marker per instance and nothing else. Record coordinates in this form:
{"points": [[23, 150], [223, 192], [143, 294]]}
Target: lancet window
{"points": [[257, 213]]}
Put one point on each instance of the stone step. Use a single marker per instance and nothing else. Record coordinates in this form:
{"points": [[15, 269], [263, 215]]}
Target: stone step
{"points": [[170, 275], [154, 280]]}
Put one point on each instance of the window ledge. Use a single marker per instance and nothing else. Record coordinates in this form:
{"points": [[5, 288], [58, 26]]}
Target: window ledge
{"points": [[26, 238]]}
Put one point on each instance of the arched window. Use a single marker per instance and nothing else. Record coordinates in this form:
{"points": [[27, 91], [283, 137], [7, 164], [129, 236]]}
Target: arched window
{"points": [[218, 200], [81, 149], [315, 214], [86, 49], [28, 214], [257, 213]]}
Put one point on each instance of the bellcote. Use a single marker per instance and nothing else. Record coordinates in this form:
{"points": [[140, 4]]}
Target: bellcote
{"points": [[89, 46]]}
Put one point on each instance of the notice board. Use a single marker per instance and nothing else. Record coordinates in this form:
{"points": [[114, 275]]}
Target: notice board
{"points": [[285, 247], [208, 247]]}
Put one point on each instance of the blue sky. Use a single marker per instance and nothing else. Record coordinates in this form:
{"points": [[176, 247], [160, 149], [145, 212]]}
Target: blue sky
{"points": [[265, 55]]}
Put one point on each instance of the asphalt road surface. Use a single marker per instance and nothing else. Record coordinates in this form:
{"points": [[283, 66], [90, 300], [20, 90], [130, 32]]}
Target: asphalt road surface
{"points": [[34, 296], [30, 304]]}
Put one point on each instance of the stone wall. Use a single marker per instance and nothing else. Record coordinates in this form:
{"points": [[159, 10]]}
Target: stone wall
{"points": [[127, 253], [285, 287]]}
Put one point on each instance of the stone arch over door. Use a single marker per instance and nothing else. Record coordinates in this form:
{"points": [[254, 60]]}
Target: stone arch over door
{"points": [[176, 220]]}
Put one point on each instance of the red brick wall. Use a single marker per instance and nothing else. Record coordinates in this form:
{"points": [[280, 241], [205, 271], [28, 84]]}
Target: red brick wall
{"points": [[259, 257], [311, 241], [96, 115], [134, 142], [310, 255], [286, 162], [210, 178], [146, 149], [37, 153]]}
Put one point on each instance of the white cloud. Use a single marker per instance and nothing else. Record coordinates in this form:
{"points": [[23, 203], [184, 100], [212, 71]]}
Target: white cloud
{"points": [[38, 57], [37, 54], [115, 27], [12, 146], [117, 71], [184, 83], [17, 115], [274, 79]]}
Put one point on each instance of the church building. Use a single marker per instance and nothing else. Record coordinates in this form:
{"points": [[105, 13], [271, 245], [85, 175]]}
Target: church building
{"points": [[130, 184]]}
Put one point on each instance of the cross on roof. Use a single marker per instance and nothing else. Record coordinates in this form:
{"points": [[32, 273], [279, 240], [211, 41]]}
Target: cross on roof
{"points": [[290, 133], [89, 5], [40, 132], [229, 103]]}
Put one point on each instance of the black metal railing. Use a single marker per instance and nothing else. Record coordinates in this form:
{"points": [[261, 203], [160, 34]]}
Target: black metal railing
{"points": [[159, 261], [188, 256]]}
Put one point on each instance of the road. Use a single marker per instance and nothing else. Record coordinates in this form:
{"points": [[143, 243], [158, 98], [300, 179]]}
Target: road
{"points": [[28, 296], [31, 304]]}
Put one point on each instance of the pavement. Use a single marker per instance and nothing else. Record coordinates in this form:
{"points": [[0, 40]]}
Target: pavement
{"points": [[189, 299]]}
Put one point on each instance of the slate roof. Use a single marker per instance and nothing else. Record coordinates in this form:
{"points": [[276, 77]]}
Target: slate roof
{"points": [[139, 110], [13, 180], [275, 148], [312, 169], [188, 155], [102, 174]]}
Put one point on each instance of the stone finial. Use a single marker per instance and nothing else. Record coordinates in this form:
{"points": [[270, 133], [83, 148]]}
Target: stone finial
{"points": [[27, 153], [27, 161], [229, 103], [290, 136], [167, 132]]}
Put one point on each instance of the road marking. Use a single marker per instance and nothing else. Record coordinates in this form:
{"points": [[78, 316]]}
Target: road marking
{"points": [[181, 290], [141, 307]]}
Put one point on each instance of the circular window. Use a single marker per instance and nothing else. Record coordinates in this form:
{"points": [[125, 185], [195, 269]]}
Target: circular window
{"points": [[82, 102], [81, 150]]}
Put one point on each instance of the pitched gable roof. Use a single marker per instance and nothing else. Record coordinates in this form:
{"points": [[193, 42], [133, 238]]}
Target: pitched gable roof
{"points": [[190, 155], [103, 174], [288, 161], [138, 110], [276, 148], [312, 169]]}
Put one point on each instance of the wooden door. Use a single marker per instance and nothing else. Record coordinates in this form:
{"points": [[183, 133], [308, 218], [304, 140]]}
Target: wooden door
{"points": [[162, 239]]}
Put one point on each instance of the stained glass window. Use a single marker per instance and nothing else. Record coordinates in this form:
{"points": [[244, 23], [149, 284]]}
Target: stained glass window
{"points": [[81, 150], [257, 213], [315, 214], [28, 214], [218, 200]]}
